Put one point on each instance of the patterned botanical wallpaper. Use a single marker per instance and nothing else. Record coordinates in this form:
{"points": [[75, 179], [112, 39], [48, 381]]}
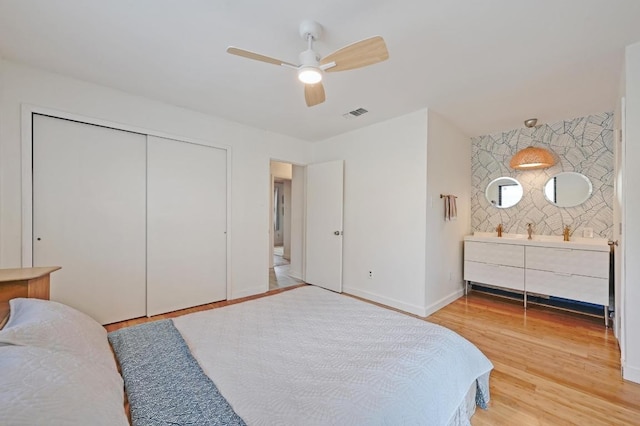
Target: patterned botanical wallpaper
{"points": [[583, 145]]}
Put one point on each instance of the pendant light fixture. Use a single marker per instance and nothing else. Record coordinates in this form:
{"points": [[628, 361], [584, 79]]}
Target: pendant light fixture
{"points": [[532, 158]]}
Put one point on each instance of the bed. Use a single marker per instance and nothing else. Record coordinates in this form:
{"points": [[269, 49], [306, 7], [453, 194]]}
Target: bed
{"points": [[305, 356]]}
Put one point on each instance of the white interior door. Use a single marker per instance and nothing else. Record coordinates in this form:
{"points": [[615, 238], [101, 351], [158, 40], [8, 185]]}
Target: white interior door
{"points": [[89, 216], [324, 225], [186, 225]]}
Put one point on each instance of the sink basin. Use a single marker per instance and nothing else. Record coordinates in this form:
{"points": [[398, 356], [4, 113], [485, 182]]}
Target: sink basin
{"points": [[505, 236], [547, 238], [514, 236]]}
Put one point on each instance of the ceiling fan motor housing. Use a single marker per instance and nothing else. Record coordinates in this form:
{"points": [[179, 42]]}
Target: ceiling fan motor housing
{"points": [[310, 28], [309, 58]]}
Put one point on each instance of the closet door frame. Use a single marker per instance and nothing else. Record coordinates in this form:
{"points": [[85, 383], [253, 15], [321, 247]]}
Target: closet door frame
{"points": [[27, 171]]}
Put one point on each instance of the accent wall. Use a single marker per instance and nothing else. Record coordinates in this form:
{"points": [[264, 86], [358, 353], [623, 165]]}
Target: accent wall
{"points": [[583, 145]]}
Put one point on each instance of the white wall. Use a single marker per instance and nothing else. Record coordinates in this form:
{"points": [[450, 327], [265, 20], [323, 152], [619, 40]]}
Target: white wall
{"points": [[448, 172], [631, 230], [251, 148], [384, 209]]}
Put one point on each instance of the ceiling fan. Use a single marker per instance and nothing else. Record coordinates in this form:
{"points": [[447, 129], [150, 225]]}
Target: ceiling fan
{"points": [[312, 66]]}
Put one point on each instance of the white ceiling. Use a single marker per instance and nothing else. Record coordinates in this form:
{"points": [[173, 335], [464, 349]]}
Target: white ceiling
{"points": [[485, 65]]}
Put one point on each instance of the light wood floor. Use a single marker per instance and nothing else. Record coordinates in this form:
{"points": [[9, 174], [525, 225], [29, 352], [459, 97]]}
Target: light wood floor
{"points": [[551, 367]]}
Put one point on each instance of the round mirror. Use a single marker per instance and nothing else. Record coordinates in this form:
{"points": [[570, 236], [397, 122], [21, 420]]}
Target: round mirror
{"points": [[504, 192], [568, 189]]}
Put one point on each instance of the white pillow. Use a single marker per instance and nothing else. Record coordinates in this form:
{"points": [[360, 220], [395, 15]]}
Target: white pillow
{"points": [[52, 325], [41, 386]]}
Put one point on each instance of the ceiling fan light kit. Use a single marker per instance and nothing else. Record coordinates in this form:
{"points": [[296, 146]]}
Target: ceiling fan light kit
{"points": [[312, 66], [309, 71], [309, 75]]}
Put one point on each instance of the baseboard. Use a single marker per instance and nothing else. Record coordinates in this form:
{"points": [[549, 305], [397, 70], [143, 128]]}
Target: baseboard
{"points": [[247, 292], [443, 302], [631, 373], [406, 307]]}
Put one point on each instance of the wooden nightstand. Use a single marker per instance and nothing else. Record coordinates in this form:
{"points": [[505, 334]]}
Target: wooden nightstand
{"points": [[23, 282]]}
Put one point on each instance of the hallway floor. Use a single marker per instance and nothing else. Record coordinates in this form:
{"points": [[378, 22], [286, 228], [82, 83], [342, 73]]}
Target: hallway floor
{"points": [[279, 274]]}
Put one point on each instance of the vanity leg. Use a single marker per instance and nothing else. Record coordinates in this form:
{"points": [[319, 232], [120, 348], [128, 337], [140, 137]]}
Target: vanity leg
{"points": [[606, 316], [525, 300], [466, 287]]}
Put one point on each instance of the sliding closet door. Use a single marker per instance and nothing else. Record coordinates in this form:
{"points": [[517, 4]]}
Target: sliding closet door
{"points": [[89, 216], [186, 225]]}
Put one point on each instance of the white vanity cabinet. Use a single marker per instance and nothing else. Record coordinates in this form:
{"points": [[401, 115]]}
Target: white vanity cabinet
{"points": [[581, 275], [494, 263], [575, 270]]}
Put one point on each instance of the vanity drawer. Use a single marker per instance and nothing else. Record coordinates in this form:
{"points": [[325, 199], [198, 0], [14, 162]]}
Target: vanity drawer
{"points": [[498, 275], [495, 253], [568, 261], [568, 286]]}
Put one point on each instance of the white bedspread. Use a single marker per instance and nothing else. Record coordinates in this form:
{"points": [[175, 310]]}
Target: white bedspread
{"points": [[312, 357]]}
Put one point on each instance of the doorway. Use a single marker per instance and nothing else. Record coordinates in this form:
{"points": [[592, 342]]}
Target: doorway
{"points": [[285, 218]]}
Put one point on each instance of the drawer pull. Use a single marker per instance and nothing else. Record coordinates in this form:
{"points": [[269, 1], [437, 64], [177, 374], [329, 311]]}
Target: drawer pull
{"points": [[563, 250], [560, 274]]}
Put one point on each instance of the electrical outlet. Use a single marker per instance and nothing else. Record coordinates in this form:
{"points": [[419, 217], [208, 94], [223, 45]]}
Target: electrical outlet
{"points": [[587, 232], [370, 276]]}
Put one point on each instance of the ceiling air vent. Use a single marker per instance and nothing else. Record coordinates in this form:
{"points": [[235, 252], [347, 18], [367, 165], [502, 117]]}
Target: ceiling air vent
{"points": [[355, 113]]}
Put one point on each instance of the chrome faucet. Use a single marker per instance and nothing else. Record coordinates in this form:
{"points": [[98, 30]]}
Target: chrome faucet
{"points": [[499, 230], [529, 229]]}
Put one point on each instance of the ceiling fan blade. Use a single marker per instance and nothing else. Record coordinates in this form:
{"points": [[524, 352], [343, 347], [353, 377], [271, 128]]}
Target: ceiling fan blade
{"points": [[359, 54], [257, 57], [314, 94]]}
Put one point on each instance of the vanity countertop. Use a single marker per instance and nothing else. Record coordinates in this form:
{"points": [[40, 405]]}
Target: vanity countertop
{"points": [[556, 241]]}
